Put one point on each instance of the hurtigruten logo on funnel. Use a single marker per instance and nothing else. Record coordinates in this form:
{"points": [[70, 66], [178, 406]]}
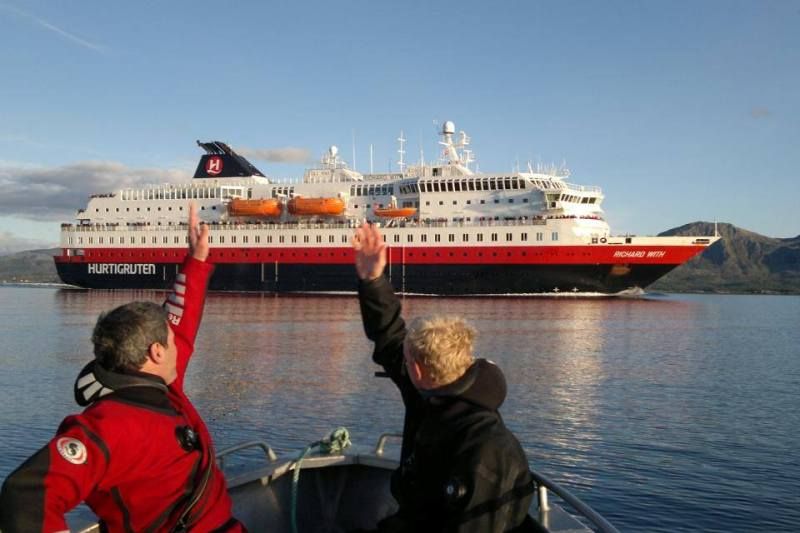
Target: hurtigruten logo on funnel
{"points": [[214, 165]]}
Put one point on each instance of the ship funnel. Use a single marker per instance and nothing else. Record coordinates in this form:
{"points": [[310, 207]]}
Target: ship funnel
{"points": [[220, 161]]}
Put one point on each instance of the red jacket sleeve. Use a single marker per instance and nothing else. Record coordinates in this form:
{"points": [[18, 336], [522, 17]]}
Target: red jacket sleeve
{"points": [[54, 480], [184, 307]]}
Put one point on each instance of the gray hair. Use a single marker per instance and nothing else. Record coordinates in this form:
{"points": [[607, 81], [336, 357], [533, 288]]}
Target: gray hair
{"points": [[122, 337]]}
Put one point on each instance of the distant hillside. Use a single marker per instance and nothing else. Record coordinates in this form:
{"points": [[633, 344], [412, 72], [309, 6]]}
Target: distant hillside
{"points": [[742, 261], [32, 266]]}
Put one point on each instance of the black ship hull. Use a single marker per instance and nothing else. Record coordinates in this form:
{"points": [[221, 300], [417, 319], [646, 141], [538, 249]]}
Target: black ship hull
{"points": [[442, 279]]}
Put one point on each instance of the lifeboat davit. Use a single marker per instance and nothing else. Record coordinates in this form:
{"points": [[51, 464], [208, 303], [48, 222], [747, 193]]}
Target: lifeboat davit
{"points": [[395, 212], [269, 207], [316, 206]]}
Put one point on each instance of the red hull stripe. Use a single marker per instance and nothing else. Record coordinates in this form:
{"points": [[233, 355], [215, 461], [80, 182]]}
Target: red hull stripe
{"points": [[511, 255]]}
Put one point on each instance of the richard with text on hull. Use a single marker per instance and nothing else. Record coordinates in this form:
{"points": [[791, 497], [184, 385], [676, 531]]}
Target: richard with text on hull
{"points": [[450, 230]]}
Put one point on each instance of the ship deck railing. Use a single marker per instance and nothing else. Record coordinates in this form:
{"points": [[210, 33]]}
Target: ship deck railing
{"points": [[348, 224]]}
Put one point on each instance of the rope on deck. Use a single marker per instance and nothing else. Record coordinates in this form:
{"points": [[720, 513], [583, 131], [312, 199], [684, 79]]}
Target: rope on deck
{"points": [[336, 442]]}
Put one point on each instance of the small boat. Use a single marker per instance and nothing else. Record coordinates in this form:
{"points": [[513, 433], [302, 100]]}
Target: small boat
{"points": [[316, 206], [239, 207], [349, 490], [395, 212]]}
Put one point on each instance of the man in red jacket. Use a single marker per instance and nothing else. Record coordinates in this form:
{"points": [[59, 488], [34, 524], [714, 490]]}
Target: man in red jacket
{"points": [[139, 455]]}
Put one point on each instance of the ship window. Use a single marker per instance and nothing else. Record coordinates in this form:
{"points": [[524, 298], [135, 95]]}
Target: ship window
{"points": [[437, 171], [524, 236], [245, 239], [319, 238], [524, 200], [164, 240], [294, 238], [465, 237], [437, 238], [91, 240], [450, 186], [511, 200], [210, 239], [344, 239], [436, 187], [133, 240], [471, 185], [554, 236], [539, 236], [170, 208], [111, 240], [480, 237], [483, 201], [154, 240], [423, 238], [451, 238], [455, 202], [222, 239], [494, 237], [409, 238], [233, 239], [441, 202], [509, 237], [427, 203], [585, 200], [269, 239], [469, 202], [330, 239], [305, 238], [177, 240], [397, 238], [497, 201]]}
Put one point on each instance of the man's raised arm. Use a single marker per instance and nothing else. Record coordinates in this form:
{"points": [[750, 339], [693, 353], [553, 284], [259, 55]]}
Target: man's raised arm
{"points": [[185, 304]]}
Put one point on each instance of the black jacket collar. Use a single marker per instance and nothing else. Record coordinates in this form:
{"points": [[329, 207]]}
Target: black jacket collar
{"points": [[482, 384], [95, 382]]}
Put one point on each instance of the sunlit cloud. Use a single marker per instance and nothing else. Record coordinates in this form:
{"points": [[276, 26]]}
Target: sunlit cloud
{"points": [[278, 155], [760, 112], [55, 29], [57, 192]]}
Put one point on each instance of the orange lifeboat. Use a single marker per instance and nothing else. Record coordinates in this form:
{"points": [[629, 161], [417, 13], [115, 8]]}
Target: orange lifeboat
{"points": [[270, 207], [395, 212], [316, 206]]}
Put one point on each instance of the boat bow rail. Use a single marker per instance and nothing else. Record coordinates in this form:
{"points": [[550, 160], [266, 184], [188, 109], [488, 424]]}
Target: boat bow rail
{"points": [[322, 467]]}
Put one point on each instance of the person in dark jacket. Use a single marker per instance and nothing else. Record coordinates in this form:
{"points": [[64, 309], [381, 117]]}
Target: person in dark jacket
{"points": [[461, 469], [139, 455]]}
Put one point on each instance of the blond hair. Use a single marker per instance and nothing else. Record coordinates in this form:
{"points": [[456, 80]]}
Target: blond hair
{"points": [[442, 345]]}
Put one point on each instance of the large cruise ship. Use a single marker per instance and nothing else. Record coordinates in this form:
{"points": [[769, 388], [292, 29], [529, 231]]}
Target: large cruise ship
{"points": [[450, 230]]}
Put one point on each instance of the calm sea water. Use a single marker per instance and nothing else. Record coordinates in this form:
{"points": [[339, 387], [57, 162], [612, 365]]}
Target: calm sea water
{"points": [[670, 413]]}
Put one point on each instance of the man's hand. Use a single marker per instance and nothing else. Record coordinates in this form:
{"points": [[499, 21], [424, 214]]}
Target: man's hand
{"points": [[370, 252], [198, 235]]}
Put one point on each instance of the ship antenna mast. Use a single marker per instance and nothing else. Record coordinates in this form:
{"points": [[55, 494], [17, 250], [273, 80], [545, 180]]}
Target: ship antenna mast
{"points": [[402, 163]]}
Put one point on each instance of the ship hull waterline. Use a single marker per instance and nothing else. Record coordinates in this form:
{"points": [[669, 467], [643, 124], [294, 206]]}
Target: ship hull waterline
{"points": [[440, 279]]}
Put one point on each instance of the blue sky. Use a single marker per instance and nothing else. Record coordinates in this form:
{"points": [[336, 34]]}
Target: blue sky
{"points": [[680, 111]]}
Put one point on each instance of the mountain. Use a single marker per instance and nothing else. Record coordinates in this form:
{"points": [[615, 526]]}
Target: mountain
{"points": [[740, 262], [32, 266]]}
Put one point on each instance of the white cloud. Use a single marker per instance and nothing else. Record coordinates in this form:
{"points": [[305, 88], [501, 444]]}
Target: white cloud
{"points": [[289, 154], [55, 193]]}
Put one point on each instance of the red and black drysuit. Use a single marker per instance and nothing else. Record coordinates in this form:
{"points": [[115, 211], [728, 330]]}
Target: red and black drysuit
{"points": [[461, 469], [138, 455]]}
